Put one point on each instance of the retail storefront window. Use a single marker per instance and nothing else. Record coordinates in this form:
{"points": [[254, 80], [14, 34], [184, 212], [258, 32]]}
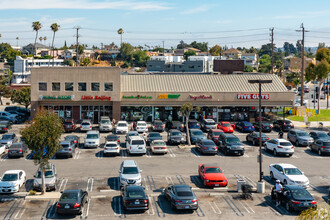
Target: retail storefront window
{"points": [[150, 113], [42, 86], [95, 112], [69, 86], [95, 87], [82, 86], [64, 112], [234, 113], [56, 86], [108, 87]]}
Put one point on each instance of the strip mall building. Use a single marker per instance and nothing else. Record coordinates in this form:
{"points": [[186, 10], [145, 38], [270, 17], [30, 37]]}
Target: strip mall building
{"points": [[91, 92]]}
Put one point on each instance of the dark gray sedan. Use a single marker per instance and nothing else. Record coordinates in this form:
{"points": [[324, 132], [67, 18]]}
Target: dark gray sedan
{"points": [[321, 146], [72, 202], [17, 150], [207, 147], [68, 148], [153, 136], [134, 198], [319, 135], [181, 197]]}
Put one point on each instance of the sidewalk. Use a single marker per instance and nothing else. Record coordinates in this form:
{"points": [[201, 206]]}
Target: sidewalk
{"points": [[314, 124]]}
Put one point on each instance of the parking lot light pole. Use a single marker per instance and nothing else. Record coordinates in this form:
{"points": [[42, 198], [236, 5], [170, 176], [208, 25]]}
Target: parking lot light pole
{"points": [[259, 81]]}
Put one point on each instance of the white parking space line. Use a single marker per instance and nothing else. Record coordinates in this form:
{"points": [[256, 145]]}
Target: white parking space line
{"points": [[87, 209], [145, 183], [123, 153], [171, 153], [148, 153], [215, 208], [77, 154], [90, 183], [151, 210], [62, 185], [4, 157], [169, 180]]}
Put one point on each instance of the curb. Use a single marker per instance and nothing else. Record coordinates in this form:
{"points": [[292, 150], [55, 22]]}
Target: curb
{"points": [[43, 197]]}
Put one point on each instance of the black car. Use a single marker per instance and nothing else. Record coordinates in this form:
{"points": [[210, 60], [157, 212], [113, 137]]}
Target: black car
{"points": [[20, 115], [319, 135], [175, 137], [177, 125], [207, 147], [17, 150], [134, 198], [284, 125], [295, 198], [230, 144], [5, 126], [254, 138], [75, 139], [112, 137], [18, 109], [158, 125], [321, 146], [153, 136], [72, 202], [265, 126]]}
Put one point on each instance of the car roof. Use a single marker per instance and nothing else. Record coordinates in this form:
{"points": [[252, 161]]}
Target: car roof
{"points": [[86, 120], [132, 132], [13, 171], [112, 135], [111, 142], [141, 122], [192, 120], [175, 130], [16, 145], [285, 165], [129, 163], [196, 129], [207, 140], [92, 132], [181, 187], [209, 120], [228, 135], [318, 132], [158, 121], [71, 136], [133, 188], [9, 134], [122, 122], [136, 138], [72, 191], [158, 141], [216, 130], [294, 187], [65, 142], [282, 140]]}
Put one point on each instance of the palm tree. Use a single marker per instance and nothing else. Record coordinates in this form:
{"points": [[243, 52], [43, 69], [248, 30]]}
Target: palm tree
{"points": [[36, 27], [17, 38], [54, 28], [41, 38], [121, 31], [45, 38]]}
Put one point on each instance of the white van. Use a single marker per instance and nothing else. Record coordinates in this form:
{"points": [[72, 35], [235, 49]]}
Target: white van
{"points": [[136, 145], [92, 139]]}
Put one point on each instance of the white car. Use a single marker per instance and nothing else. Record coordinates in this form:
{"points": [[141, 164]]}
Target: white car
{"points": [[92, 139], [105, 124], [141, 126], [122, 127], [2, 149], [279, 147], [111, 148], [12, 180], [288, 174], [136, 145], [158, 147], [86, 125], [129, 173]]}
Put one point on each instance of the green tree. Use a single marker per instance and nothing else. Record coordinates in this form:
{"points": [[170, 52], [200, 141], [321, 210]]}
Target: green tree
{"points": [[4, 89], [188, 54], [126, 51], [140, 58], [289, 49], [200, 46], [251, 50], [85, 62], [36, 26], [8, 75], [121, 32], [22, 96], [8, 53], [186, 110], [248, 68], [158, 49], [321, 45], [216, 50], [54, 27], [265, 64], [311, 214], [182, 45], [42, 137], [265, 49]]}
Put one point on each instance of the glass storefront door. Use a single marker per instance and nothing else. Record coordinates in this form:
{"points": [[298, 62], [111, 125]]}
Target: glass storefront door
{"points": [[94, 112]]}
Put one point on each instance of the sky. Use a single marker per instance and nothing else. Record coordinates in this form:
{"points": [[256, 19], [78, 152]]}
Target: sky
{"points": [[239, 23]]}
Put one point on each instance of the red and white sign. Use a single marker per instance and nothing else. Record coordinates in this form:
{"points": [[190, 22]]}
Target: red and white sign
{"points": [[252, 96]]}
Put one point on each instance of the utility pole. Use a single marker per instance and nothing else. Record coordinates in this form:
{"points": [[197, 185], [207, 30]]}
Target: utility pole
{"points": [[163, 48], [272, 40], [77, 45]]}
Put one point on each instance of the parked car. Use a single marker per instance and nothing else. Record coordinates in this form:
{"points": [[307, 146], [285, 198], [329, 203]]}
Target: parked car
{"points": [[2, 149], [226, 127], [92, 139], [20, 116], [254, 138], [244, 126], [158, 125], [295, 198], [136, 145], [134, 198], [6, 118], [265, 126], [7, 114], [193, 124], [8, 139], [288, 174], [50, 178], [158, 147], [86, 125], [12, 180], [111, 148], [206, 146], [5, 126], [181, 197], [196, 135], [121, 127], [175, 137], [321, 146], [230, 144], [69, 125], [131, 134], [105, 124], [112, 137], [208, 124], [279, 147], [177, 125], [153, 136], [141, 126], [300, 137], [19, 109], [67, 150], [75, 138], [214, 134], [284, 125], [318, 135], [212, 175], [17, 150], [72, 201], [129, 173]]}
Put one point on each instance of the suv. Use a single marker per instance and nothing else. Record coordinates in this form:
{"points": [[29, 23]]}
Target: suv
{"points": [[68, 148], [23, 110], [175, 137], [136, 145], [122, 127], [69, 125], [208, 124], [86, 125], [92, 139], [111, 148], [141, 126], [129, 173], [300, 137], [230, 144], [105, 124], [284, 125], [158, 125], [50, 178]]}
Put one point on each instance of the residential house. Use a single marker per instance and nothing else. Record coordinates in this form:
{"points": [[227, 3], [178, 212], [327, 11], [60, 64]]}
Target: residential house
{"points": [[250, 59], [180, 52], [57, 53], [232, 53], [293, 64], [69, 53], [29, 49]]}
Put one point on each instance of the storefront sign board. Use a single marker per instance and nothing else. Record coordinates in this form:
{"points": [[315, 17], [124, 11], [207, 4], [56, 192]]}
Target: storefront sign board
{"points": [[252, 96], [168, 96], [56, 97], [99, 98], [195, 97], [137, 97]]}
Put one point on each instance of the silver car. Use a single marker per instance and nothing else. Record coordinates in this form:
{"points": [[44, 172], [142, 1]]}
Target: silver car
{"points": [[50, 178], [300, 137], [86, 125], [105, 124], [8, 139], [68, 148], [111, 148], [129, 173], [181, 197]]}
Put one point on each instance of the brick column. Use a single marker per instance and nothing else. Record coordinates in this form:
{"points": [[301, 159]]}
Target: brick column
{"points": [[116, 110], [34, 108]]}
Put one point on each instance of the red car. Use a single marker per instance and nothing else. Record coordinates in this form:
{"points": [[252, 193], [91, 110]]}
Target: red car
{"points": [[212, 175], [227, 127], [214, 135], [69, 125]]}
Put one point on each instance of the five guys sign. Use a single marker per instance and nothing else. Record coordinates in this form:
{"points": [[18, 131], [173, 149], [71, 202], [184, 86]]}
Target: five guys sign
{"points": [[252, 96]]}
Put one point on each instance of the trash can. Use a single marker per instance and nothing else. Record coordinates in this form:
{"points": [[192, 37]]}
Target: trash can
{"points": [[240, 182]]}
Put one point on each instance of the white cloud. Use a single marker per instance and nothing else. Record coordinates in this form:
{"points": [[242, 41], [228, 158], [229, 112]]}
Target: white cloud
{"points": [[301, 15], [81, 4], [224, 21], [196, 10]]}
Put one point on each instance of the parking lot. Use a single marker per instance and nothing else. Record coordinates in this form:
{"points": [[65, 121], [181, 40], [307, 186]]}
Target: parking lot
{"points": [[90, 170]]}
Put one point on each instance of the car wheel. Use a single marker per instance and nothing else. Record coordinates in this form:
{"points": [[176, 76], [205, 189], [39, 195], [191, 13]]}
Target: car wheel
{"points": [[297, 143], [287, 207], [272, 175], [320, 152], [275, 153]]}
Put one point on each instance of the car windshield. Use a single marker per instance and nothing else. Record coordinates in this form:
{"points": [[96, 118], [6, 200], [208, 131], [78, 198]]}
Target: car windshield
{"points": [[137, 142], [130, 170], [323, 135], [176, 124], [85, 123], [262, 134], [142, 124], [326, 144], [9, 177], [158, 123], [92, 136], [292, 171], [112, 138], [2, 126], [212, 170], [226, 125], [133, 134], [247, 124], [111, 145], [176, 133], [285, 144], [159, 143], [65, 145], [232, 140], [208, 143], [70, 138], [67, 197], [302, 134], [184, 193], [48, 174], [105, 122], [265, 124], [154, 135], [300, 194], [193, 123], [122, 125], [216, 133], [6, 137], [136, 194], [197, 133]]}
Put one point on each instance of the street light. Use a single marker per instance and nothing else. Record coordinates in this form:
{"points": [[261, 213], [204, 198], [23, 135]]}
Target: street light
{"points": [[259, 81]]}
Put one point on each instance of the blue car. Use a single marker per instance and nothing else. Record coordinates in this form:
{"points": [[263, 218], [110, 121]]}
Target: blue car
{"points": [[44, 153], [196, 135], [193, 124], [245, 126]]}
